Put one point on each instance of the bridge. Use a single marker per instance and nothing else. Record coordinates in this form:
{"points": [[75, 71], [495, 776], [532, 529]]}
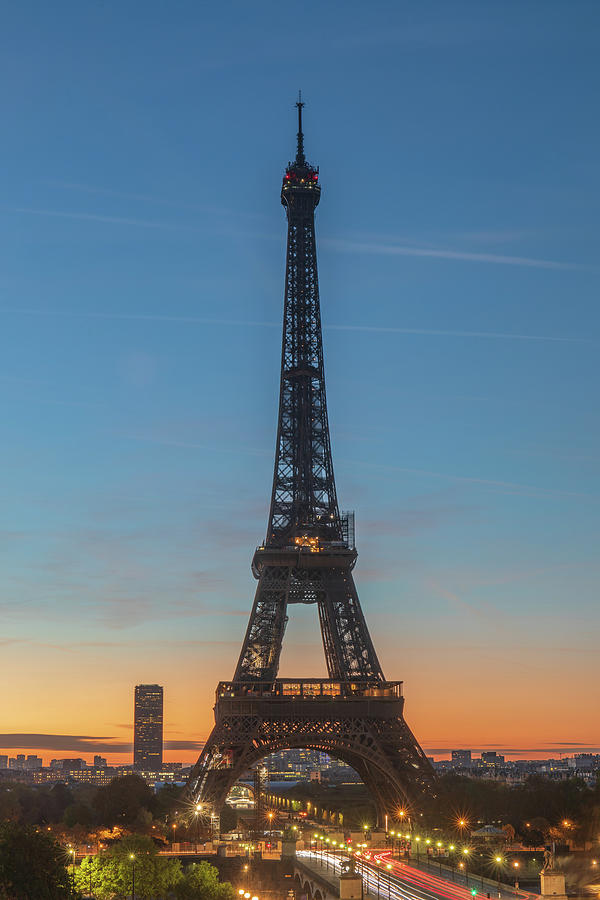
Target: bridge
{"points": [[315, 881]]}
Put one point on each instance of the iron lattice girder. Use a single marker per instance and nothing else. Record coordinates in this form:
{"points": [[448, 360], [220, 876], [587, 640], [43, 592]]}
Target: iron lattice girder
{"points": [[304, 494], [367, 733], [308, 557], [292, 576]]}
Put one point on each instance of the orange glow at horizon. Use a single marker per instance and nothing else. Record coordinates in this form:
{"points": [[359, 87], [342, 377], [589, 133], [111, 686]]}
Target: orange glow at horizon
{"points": [[101, 714]]}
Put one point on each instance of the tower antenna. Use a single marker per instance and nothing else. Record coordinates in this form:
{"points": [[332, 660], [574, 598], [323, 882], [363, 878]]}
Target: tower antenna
{"points": [[300, 158]]}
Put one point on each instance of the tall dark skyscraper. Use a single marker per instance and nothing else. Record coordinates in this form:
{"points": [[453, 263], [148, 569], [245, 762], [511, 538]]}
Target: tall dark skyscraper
{"points": [[148, 727]]}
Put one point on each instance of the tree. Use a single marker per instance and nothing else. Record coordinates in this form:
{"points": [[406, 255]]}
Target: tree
{"points": [[124, 801], [509, 831], [111, 874], [201, 882], [32, 865], [78, 814]]}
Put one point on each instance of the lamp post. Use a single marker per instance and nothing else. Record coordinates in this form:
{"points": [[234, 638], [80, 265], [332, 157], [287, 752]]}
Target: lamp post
{"points": [[516, 867], [498, 862], [389, 875], [439, 848], [378, 864], [418, 842], [451, 859], [466, 855], [270, 817], [427, 842], [197, 812], [403, 819], [132, 858], [73, 855], [462, 825]]}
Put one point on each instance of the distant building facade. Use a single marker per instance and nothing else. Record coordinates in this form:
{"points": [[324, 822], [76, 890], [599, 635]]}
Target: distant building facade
{"points": [[462, 758], [148, 727], [492, 758]]}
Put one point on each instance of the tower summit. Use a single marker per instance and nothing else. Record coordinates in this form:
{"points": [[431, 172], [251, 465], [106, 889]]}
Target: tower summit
{"points": [[307, 557]]}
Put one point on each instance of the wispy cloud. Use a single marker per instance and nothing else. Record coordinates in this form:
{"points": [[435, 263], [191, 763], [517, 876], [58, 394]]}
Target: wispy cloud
{"points": [[155, 200], [84, 743], [497, 335], [343, 245], [510, 487], [256, 323], [95, 217], [184, 745], [442, 253]]}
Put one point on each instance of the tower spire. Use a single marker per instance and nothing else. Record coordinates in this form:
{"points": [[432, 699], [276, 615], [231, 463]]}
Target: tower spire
{"points": [[300, 158]]}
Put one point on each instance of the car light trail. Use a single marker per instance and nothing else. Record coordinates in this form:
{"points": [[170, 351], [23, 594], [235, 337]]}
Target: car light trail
{"points": [[401, 882]]}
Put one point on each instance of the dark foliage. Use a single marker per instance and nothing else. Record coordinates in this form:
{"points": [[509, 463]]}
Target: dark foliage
{"points": [[32, 865]]}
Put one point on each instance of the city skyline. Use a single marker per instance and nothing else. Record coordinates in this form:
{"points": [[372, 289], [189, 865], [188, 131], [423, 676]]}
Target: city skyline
{"points": [[144, 285]]}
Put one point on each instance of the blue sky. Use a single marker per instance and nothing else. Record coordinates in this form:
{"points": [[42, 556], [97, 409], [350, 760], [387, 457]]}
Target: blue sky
{"points": [[142, 244]]}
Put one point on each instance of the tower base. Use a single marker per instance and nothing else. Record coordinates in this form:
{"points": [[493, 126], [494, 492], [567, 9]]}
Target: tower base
{"points": [[360, 723]]}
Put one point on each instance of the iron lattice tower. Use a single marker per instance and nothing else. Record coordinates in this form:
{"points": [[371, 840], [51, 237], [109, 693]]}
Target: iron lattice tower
{"points": [[308, 557]]}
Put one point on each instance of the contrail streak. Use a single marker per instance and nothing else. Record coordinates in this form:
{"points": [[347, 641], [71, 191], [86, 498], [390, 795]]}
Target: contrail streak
{"points": [[252, 323], [440, 253]]}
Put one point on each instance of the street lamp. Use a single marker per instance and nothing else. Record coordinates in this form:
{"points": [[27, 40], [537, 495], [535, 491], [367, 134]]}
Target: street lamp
{"points": [[270, 817], [132, 858], [462, 825], [466, 855], [418, 841], [389, 871], [516, 866], [73, 854], [197, 812], [451, 859], [499, 862]]}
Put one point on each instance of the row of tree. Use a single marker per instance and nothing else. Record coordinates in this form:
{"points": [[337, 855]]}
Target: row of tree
{"points": [[34, 867], [127, 802], [536, 809]]}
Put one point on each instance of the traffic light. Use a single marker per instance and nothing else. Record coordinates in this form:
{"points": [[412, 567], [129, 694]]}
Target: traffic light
{"points": [[473, 892]]}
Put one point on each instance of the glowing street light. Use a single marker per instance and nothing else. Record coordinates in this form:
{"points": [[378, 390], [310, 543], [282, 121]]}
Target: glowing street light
{"points": [[499, 863], [132, 858], [466, 856]]}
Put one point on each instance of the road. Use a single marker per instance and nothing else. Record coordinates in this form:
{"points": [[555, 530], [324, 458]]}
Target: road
{"points": [[402, 882]]}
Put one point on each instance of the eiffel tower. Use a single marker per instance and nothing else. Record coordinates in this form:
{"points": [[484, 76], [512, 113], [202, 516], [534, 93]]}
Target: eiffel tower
{"points": [[354, 714]]}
